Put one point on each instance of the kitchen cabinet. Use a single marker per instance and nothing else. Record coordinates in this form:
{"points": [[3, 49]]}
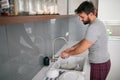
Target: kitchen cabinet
{"points": [[62, 10], [66, 8], [109, 11], [114, 50]]}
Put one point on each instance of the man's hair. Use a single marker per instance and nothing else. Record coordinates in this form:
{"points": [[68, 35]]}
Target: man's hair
{"points": [[86, 6]]}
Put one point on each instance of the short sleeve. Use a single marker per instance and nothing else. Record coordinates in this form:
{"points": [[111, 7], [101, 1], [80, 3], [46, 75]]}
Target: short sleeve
{"points": [[93, 32]]}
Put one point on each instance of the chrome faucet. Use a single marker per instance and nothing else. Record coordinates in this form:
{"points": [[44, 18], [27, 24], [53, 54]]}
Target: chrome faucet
{"points": [[53, 45]]}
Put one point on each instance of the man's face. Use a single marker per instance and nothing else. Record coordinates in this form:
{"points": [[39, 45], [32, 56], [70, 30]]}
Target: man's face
{"points": [[84, 18]]}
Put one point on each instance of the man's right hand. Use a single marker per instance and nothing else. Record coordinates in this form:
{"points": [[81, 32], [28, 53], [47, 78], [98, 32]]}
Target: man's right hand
{"points": [[64, 55]]}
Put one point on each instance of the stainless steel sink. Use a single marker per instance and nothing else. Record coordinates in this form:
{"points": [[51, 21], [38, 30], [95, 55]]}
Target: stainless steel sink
{"points": [[79, 64], [72, 63]]}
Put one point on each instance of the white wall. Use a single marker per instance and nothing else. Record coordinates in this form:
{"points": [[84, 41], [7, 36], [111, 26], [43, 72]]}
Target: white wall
{"points": [[109, 10], [72, 5], [95, 2]]}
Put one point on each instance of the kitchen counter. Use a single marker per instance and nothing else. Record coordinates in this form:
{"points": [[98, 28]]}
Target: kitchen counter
{"points": [[42, 73]]}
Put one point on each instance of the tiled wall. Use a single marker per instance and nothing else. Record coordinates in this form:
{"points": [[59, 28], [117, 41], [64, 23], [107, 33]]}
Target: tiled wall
{"points": [[23, 46]]}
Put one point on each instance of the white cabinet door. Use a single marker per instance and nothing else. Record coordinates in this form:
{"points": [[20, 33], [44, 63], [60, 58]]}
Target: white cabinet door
{"points": [[109, 10], [114, 50]]}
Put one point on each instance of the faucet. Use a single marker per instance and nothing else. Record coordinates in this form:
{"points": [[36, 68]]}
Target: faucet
{"points": [[53, 46]]}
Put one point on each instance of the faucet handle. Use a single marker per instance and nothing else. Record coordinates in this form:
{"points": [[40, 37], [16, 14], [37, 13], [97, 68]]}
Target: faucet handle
{"points": [[57, 56], [54, 58]]}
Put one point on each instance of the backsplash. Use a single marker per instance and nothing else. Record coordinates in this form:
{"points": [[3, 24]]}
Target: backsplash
{"points": [[23, 47], [76, 29]]}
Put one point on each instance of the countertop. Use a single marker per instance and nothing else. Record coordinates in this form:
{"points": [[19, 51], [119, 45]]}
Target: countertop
{"points": [[42, 73]]}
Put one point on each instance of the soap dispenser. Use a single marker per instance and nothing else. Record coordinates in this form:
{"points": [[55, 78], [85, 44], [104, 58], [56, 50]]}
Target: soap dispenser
{"points": [[46, 61]]}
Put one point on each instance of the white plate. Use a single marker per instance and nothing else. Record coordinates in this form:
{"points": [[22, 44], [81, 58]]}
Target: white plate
{"points": [[72, 75], [53, 73]]}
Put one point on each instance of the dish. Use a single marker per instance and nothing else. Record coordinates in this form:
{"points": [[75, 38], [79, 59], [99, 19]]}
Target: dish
{"points": [[71, 75], [53, 73]]}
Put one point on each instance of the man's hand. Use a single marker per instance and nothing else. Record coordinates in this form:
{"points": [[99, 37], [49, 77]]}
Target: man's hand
{"points": [[64, 54], [77, 49]]}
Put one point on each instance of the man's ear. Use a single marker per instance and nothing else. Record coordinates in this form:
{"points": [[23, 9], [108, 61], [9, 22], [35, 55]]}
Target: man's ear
{"points": [[90, 14]]}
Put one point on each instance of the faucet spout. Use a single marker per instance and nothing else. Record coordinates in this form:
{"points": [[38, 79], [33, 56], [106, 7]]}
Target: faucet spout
{"points": [[53, 44]]}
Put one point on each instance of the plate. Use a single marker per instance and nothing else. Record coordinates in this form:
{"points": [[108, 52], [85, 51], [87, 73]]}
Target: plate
{"points": [[53, 73], [71, 75]]}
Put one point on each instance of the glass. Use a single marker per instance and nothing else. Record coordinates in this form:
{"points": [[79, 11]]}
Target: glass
{"points": [[45, 7], [0, 8], [26, 6], [22, 7], [56, 6], [11, 8], [32, 7], [39, 9], [52, 7], [5, 7]]}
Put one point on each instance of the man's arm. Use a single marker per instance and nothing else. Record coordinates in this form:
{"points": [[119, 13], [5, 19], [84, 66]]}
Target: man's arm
{"points": [[77, 49], [72, 48]]}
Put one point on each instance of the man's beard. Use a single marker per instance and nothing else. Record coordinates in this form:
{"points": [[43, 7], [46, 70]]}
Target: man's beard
{"points": [[86, 22]]}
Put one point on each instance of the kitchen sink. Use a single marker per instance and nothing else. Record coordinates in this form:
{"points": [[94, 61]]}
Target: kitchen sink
{"points": [[72, 63], [77, 64]]}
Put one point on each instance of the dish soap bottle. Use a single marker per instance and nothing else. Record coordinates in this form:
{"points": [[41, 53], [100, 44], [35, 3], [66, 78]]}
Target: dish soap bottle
{"points": [[46, 61]]}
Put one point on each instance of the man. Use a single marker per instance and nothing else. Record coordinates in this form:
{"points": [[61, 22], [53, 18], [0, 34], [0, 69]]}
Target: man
{"points": [[95, 41]]}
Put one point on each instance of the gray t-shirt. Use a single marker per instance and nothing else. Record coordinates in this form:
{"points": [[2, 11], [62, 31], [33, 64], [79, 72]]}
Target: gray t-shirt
{"points": [[96, 33]]}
